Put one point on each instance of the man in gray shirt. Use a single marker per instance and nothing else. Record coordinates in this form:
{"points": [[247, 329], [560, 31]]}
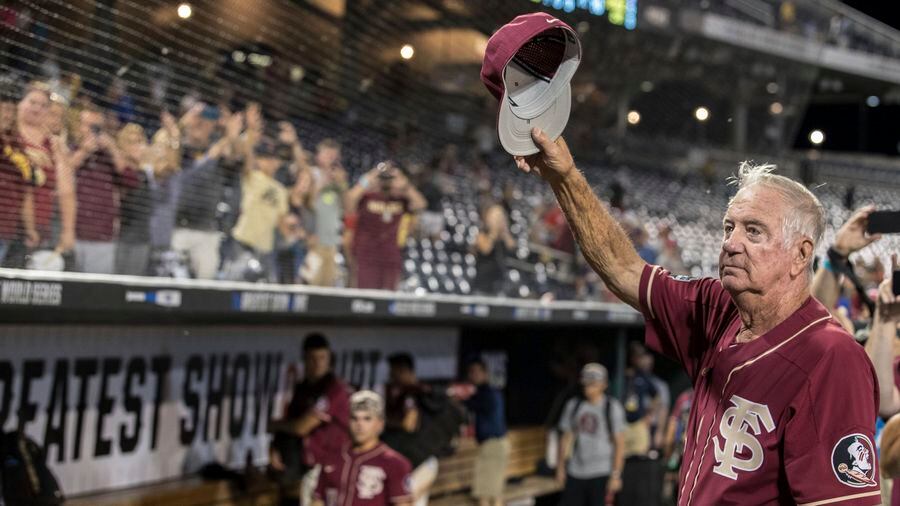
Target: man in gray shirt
{"points": [[593, 426]]}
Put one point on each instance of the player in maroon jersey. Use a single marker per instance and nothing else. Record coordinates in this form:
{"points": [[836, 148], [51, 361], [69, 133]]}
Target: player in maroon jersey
{"points": [[368, 472], [785, 400]]}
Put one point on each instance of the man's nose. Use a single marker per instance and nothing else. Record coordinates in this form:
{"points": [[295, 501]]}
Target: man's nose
{"points": [[732, 244]]}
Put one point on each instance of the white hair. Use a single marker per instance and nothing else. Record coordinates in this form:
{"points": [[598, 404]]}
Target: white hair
{"points": [[805, 216]]}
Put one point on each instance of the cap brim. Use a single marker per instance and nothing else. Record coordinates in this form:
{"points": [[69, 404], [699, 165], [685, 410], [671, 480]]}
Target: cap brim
{"points": [[515, 132]]}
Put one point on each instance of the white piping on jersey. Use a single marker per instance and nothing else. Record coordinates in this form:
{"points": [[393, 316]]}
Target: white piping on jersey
{"points": [[725, 387], [649, 286], [842, 498], [693, 452]]}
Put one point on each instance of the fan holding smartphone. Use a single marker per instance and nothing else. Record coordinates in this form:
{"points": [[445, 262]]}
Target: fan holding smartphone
{"points": [[886, 222]]}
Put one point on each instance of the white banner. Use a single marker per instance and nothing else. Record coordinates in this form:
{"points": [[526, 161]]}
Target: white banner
{"points": [[118, 406]]}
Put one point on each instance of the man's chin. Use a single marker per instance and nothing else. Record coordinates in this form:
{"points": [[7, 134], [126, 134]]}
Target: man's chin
{"points": [[732, 284]]}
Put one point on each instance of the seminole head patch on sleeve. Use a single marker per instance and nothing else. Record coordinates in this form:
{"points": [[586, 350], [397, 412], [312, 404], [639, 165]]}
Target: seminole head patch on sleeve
{"points": [[853, 461]]}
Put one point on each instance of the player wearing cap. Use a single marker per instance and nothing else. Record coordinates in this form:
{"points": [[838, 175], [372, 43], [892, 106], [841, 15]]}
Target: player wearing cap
{"points": [[782, 391], [366, 472], [593, 425]]}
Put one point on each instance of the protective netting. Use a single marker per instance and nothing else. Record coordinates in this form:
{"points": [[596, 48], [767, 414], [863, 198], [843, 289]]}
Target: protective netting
{"points": [[128, 128]]}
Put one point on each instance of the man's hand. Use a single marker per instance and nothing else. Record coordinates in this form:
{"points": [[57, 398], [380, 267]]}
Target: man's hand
{"points": [[32, 238], [105, 141], [169, 124], [852, 236], [890, 448], [554, 161], [287, 134], [888, 304], [254, 117], [66, 242], [275, 460], [234, 126], [614, 485], [561, 474], [90, 144]]}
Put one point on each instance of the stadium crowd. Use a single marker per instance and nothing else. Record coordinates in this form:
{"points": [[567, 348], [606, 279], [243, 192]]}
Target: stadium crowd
{"points": [[220, 192]]}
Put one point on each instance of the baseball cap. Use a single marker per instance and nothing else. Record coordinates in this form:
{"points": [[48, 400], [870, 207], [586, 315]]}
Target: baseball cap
{"points": [[210, 112], [527, 66], [593, 373], [46, 260]]}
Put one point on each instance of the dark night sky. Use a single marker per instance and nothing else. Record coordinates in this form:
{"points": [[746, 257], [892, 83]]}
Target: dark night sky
{"points": [[885, 11]]}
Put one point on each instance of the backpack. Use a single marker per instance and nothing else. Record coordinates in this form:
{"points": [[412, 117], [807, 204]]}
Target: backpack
{"points": [[26, 479], [439, 422]]}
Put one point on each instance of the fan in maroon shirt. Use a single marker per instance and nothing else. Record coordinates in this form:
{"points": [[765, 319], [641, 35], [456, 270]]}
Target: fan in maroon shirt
{"points": [[379, 211], [785, 400], [368, 472]]}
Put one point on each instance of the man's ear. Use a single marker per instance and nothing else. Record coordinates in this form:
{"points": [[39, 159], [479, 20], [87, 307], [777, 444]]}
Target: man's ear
{"points": [[803, 255]]}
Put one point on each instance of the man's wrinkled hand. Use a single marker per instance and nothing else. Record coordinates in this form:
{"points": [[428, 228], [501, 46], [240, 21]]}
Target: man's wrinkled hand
{"points": [[552, 162]]}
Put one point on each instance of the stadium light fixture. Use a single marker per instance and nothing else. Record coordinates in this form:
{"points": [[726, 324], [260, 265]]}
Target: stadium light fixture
{"points": [[185, 11], [297, 73], [407, 51], [775, 108], [701, 113], [873, 101], [816, 137], [633, 117]]}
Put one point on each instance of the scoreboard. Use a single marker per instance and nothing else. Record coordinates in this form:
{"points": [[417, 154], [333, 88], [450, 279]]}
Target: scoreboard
{"points": [[619, 12]]}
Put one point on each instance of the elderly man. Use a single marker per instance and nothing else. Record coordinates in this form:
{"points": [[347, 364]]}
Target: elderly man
{"points": [[782, 391]]}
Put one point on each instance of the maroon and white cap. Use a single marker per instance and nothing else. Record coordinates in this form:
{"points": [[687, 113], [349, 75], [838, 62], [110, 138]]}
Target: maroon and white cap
{"points": [[527, 66]]}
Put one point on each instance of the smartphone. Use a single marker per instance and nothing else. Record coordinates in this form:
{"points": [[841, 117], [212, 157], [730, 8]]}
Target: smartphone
{"points": [[895, 283], [884, 222]]}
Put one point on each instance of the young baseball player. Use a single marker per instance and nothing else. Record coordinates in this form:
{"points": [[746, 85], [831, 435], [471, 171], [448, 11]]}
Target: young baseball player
{"points": [[368, 472]]}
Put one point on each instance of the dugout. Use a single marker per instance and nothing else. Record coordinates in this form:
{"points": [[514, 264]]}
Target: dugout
{"points": [[128, 381]]}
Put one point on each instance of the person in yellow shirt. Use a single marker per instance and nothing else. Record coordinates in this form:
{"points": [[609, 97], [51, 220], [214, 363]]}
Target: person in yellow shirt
{"points": [[264, 207]]}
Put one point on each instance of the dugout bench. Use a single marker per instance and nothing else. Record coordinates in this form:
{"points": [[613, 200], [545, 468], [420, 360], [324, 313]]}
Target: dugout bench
{"points": [[527, 447]]}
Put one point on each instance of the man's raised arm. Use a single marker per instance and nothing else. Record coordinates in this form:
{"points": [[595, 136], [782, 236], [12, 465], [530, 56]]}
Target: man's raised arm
{"points": [[603, 243]]}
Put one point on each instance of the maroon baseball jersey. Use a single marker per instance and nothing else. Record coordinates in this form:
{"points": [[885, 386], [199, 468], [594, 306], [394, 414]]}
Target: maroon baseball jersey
{"points": [[330, 396], [378, 477], [378, 222], [786, 418], [895, 491]]}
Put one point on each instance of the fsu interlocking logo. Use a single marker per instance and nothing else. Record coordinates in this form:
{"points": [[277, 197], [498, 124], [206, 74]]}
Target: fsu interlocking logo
{"points": [[740, 425], [852, 461], [370, 482]]}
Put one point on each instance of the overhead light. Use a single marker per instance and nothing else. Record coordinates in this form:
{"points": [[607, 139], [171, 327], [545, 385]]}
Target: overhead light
{"points": [[873, 101], [772, 87], [776, 108], [297, 73], [633, 117], [185, 11], [260, 60], [646, 86], [701, 113], [817, 137], [407, 51], [239, 56]]}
